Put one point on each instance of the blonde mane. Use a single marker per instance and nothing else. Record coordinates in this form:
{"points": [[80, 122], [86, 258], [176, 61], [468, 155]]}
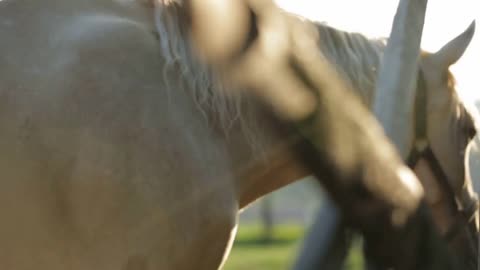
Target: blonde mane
{"points": [[354, 56], [175, 49], [221, 106], [357, 59]]}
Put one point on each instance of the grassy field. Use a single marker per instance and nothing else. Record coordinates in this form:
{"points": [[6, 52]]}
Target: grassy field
{"points": [[250, 252]]}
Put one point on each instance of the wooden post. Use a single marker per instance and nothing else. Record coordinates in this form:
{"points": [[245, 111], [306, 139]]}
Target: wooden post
{"points": [[397, 75]]}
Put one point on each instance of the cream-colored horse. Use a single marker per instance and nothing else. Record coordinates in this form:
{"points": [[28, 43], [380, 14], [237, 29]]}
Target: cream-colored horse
{"points": [[447, 119], [443, 127], [118, 152]]}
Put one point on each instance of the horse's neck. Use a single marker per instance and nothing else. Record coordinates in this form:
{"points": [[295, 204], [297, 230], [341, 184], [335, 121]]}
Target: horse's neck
{"points": [[262, 154]]}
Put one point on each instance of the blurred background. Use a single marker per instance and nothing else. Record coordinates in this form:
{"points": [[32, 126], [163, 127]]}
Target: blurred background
{"points": [[271, 230]]}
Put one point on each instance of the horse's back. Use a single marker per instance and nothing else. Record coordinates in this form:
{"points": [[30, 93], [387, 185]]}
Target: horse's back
{"points": [[104, 165]]}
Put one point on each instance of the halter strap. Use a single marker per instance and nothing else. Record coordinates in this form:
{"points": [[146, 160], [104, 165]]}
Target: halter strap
{"points": [[420, 143], [422, 150]]}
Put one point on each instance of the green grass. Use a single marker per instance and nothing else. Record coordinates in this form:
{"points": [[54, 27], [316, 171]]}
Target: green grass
{"points": [[250, 252]]}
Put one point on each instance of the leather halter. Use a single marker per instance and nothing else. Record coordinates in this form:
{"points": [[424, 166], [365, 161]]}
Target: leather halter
{"points": [[422, 150]]}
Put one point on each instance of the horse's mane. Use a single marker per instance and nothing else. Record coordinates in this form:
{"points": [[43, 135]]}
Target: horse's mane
{"points": [[176, 51], [209, 93], [355, 57]]}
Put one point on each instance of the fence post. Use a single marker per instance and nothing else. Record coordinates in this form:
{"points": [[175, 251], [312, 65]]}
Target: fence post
{"points": [[397, 76]]}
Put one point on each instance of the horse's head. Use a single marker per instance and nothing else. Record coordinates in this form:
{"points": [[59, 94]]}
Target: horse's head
{"points": [[448, 132]]}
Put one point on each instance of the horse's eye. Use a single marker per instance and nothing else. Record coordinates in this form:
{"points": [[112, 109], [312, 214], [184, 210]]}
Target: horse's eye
{"points": [[470, 131]]}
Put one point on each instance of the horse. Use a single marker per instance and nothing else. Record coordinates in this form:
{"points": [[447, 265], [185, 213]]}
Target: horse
{"points": [[444, 194], [120, 150]]}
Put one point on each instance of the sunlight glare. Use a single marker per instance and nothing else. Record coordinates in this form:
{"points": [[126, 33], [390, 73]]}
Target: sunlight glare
{"points": [[444, 21]]}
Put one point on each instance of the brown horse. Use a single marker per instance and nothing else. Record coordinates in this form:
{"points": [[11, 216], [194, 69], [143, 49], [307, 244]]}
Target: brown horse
{"points": [[120, 151]]}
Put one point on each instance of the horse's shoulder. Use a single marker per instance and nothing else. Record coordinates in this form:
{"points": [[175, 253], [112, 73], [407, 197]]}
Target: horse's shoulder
{"points": [[107, 45], [55, 34]]}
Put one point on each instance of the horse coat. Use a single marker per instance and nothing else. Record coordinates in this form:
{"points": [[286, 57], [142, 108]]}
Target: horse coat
{"points": [[117, 153]]}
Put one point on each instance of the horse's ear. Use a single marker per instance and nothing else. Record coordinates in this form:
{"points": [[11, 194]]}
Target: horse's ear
{"points": [[452, 51]]}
